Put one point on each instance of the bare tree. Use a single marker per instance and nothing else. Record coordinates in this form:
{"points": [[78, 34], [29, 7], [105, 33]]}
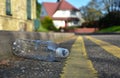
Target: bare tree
{"points": [[92, 11], [111, 5]]}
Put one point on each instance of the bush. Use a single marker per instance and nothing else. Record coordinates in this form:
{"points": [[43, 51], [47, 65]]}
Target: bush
{"points": [[110, 19], [111, 29], [91, 24], [48, 24], [42, 29]]}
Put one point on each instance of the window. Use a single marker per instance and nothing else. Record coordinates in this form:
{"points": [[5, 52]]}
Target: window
{"points": [[75, 22], [73, 12], [8, 7], [28, 9]]}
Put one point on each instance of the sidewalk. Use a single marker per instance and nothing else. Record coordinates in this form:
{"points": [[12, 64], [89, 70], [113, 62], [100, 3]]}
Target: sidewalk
{"points": [[77, 64]]}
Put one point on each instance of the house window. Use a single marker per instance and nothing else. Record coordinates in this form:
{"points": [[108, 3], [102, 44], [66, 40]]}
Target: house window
{"points": [[8, 7], [73, 12], [75, 22], [28, 9]]}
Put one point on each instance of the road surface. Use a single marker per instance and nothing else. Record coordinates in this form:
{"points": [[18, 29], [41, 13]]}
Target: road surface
{"points": [[104, 56], [92, 56], [104, 53]]}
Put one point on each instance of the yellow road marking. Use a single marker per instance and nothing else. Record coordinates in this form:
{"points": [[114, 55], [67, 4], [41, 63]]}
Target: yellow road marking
{"points": [[114, 50], [77, 64]]}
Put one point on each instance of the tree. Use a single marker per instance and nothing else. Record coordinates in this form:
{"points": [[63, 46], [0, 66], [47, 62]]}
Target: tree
{"points": [[112, 16], [38, 9], [111, 5], [92, 11], [107, 12], [37, 21]]}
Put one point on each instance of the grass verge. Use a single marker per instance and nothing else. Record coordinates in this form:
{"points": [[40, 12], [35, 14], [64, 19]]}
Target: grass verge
{"points": [[111, 29], [42, 29]]}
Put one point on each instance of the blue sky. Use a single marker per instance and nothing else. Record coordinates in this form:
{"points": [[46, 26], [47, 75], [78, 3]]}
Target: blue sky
{"points": [[76, 3]]}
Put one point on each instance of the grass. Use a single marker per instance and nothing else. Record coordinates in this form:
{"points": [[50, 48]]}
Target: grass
{"points": [[42, 29], [111, 29]]}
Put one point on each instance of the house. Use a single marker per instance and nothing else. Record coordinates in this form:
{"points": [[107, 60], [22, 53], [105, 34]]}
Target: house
{"points": [[62, 13], [17, 15]]}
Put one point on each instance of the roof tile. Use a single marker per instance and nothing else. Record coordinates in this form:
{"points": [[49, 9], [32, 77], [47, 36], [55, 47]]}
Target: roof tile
{"points": [[64, 5], [50, 7]]}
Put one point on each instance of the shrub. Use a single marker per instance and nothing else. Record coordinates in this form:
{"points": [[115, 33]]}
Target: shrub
{"points": [[48, 24], [110, 19], [91, 24]]}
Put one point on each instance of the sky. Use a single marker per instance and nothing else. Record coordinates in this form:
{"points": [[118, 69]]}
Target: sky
{"points": [[76, 3]]}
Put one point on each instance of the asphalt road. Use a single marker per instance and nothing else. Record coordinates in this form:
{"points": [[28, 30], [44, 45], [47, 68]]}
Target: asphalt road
{"points": [[107, 65], [113, 39], [29, 68]]}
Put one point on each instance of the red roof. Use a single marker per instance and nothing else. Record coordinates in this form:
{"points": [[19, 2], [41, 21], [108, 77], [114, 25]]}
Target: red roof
{"points": [[64, 5], [51, 7]]}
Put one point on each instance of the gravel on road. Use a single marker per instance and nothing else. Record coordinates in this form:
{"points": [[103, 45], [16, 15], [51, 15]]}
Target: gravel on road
{"points": [[113, 39], [106, 64], [28, 68]]}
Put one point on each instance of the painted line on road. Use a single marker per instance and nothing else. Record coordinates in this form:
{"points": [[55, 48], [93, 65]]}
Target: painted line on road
{"points": [[78, 65], [112, 49]]}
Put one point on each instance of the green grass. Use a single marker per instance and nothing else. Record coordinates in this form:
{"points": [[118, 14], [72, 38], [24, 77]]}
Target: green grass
{"points": [[42, 29], [111, 29]]}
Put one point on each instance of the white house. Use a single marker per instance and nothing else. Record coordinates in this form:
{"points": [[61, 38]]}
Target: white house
{"points": [[63, 13]]}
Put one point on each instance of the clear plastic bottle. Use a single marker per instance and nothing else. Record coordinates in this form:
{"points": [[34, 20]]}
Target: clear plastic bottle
{"points": [[39, 50]]}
